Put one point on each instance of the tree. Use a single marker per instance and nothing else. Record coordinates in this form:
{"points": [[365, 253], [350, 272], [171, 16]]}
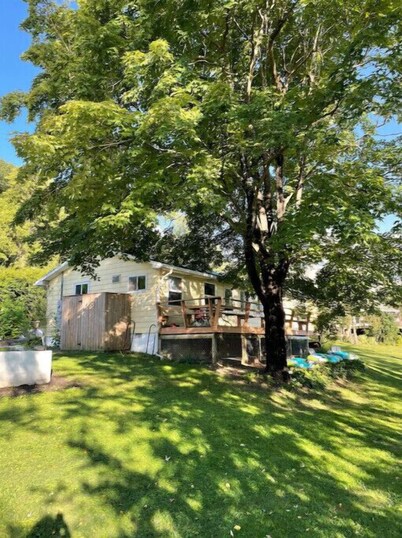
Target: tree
{"points": [[14, 249], [260, 112], [356, 281], [384, 328], [5, 170]]}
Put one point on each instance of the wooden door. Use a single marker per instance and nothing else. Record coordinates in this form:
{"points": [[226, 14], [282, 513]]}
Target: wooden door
{"points": [[83, 322], [117, 322], [70, 333]]}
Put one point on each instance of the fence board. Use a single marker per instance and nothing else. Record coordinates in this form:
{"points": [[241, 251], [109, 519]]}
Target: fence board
{"points": [[96, 321]]}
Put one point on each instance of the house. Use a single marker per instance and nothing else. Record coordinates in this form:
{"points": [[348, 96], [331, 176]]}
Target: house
{"points": [[170, 309]]}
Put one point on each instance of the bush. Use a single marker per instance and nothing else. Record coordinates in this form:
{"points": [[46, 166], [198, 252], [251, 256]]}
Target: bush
{"points": [[320, 376], [345, 369], [326, 345], [21, 302], [316, 378], [13, 318]]}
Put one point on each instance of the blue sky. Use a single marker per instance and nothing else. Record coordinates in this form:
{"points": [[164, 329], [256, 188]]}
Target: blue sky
{"points": [[15, 74]]}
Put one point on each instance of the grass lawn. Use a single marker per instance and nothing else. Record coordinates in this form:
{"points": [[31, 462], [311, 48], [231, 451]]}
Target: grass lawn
{"points": [[146, 448]]}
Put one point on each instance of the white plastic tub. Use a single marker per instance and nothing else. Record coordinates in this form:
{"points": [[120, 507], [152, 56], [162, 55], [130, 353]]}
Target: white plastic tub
{"points": [[26, 367]]}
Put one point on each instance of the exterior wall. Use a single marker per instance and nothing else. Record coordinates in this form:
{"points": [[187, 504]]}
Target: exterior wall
{"points": [[192, 288], [144, 312], [143, 302]]}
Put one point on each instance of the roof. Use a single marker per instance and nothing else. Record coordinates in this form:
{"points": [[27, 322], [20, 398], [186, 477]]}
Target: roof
{"points": [[52, 274], [156, 265]]}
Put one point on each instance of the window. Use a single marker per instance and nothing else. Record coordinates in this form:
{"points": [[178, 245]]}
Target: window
{"points": [[175, 290], [81, 289], [209, 290], [228, 297], [115, 279], [137, 283]]}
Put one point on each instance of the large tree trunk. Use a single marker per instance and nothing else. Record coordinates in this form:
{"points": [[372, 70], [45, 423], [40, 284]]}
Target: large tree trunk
{"points": [[275, 337], [267, 277]]}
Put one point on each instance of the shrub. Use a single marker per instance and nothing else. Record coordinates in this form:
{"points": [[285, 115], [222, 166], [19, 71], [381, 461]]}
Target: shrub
{"points": [[320, 376], [345, 369], [21, 302], [13, 318], [317, 378]]}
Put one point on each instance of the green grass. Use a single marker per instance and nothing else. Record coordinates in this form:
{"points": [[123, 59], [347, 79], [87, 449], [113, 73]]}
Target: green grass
{"points": [[147, 448]]}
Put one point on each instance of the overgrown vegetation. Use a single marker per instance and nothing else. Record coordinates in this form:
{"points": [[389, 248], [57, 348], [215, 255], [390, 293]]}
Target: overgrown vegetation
{"points": [[15, 250], [322, 375], [379, 327], [21, 302]]}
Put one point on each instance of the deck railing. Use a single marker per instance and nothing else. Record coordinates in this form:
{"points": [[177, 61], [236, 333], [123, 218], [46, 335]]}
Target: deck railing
{"points": [[207, 312], [213, 314]]}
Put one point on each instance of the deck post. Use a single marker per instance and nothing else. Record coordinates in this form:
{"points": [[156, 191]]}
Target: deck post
{"points": [[211, 311], [159, 314], [214, 349], [244, 355], [247, 312], [184, 312], [217, 315]]}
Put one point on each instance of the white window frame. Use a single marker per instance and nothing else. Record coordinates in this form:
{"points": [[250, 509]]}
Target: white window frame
{"points": [[85, 282], [118, 279], [137, 277]]}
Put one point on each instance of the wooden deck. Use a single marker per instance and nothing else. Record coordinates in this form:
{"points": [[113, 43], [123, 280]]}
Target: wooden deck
{"points": [[212, 330], [211, 315]]}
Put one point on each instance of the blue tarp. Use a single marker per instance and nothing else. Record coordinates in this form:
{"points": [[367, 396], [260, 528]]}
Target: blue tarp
{"points": [[332, 356]]}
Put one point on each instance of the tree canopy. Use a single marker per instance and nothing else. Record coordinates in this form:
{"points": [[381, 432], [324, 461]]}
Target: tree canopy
{"points": [[14, 250], [256, 116]]}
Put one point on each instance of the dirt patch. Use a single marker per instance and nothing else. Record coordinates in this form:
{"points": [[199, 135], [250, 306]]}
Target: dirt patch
{"points": [[57, 383]]}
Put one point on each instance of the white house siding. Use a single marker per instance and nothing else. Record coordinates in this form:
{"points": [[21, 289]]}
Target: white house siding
{"points": [[193, 288], [143, 302], [144, 312]]}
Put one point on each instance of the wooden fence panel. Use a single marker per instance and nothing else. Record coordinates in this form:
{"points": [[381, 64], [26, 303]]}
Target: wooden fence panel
{"points": [[96, 321], [92, 322], [117, 322], [70, 334]]}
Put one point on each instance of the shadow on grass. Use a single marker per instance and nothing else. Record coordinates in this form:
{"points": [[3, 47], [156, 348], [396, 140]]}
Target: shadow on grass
{"points": [[173, 450], [47, 527]]}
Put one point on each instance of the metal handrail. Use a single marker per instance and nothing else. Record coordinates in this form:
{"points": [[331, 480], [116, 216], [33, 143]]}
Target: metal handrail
{"points": [[149, 334]]}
